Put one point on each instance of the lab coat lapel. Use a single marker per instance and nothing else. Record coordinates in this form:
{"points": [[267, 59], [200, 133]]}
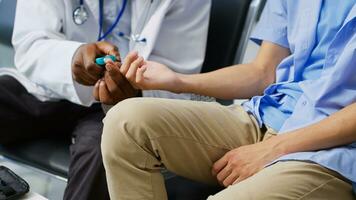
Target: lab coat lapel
{"points": [[151, 28], [94, 7], [310, 11]]}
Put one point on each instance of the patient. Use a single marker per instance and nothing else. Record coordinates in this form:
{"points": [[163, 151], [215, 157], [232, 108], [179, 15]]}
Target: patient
{"points": [[294, 138]]}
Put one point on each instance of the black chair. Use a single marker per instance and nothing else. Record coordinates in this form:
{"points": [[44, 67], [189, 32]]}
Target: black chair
{"points": [[7, 17], [230, 24]]}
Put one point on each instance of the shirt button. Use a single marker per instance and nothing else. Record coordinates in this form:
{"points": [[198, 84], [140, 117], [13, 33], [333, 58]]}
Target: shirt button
{"points": [[304, 103]]}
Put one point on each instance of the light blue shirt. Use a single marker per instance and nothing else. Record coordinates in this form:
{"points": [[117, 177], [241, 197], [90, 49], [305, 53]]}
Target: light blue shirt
{"points": [[317, 79]]}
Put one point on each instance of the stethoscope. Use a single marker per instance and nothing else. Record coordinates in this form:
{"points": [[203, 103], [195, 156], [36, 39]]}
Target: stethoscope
{"points": [[80, 16]]}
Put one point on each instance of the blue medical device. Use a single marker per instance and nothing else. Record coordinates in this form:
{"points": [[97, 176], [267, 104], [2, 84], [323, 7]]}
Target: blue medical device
{"points": [[102, 60]]}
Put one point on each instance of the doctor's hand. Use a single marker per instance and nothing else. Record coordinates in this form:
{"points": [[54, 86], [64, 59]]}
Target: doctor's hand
{"points": [[149, 75], [84, 69], [113, 87]]}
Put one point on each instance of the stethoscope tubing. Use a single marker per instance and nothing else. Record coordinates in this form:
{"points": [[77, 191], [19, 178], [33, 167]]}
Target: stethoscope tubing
{"points": [[102, 35], [112, 27]]}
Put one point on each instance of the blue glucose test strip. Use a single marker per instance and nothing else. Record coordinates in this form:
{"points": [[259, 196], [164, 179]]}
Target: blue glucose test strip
{"points": [[103, 60]]}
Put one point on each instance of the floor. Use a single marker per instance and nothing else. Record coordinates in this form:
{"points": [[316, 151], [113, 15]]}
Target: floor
{"points": [[41, 182]]}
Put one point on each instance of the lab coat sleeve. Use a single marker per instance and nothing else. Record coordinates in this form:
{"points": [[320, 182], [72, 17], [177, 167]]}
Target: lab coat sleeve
{"points": [[42, 52], [181, 40]]}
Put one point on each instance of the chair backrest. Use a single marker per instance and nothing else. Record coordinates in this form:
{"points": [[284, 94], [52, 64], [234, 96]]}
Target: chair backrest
{"points": [[7, 17], [230, 24]]}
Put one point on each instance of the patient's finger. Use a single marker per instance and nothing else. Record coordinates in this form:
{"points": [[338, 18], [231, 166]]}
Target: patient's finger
{"points": [[131, 73], [140, 75], [128, 60]]}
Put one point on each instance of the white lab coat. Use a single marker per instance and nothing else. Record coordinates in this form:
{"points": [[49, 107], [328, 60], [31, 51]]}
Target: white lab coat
{"points": [[45, 39]]}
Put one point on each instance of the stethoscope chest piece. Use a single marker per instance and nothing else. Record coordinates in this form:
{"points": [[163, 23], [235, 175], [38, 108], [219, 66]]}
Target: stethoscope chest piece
{"points": [[80, 15]]}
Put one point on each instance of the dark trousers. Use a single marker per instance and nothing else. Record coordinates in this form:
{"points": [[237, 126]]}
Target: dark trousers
{"points": [[23, 117]]}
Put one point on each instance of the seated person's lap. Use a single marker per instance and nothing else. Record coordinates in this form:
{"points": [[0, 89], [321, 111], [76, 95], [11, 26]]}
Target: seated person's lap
{"points": [[290, 180], [23, 116], [172, 133]]}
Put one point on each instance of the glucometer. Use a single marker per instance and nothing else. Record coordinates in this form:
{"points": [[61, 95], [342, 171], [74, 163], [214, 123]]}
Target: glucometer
{"points": [[102, 60]]}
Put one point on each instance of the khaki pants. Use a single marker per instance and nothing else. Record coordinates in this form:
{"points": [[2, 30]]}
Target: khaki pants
{"points": [[141, 136]]}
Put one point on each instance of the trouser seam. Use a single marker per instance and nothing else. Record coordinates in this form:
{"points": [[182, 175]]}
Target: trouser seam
{"points": [[140, 146], [146, 158], [320, 186], [152, 185]]}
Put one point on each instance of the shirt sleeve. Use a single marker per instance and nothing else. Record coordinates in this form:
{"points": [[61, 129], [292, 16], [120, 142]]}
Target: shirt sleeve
{"points": [[42, 52], [273, 24]]}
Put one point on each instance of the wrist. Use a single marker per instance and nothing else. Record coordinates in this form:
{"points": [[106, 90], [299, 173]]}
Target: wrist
{"points": [[278, 145], [187, 83], [180, 83]]}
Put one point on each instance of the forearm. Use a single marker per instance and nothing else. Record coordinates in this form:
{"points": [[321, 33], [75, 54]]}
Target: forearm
{"points": [[239, 81], [336, 130]]}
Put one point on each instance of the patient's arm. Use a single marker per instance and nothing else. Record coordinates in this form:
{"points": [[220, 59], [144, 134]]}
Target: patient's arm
{"points": [[239, 81], [335, 130]]}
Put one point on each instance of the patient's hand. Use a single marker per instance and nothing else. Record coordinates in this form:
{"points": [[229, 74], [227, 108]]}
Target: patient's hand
{"points": [[245, 161], [149, 75]]}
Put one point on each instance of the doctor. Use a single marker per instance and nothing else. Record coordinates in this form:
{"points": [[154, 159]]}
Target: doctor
{"points": [[51, 89]]}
